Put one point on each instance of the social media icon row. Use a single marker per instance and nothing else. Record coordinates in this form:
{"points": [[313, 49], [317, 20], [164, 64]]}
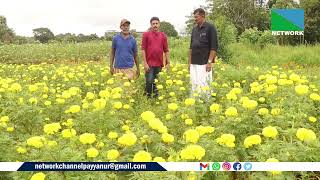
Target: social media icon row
{"points": [[226, 166]]}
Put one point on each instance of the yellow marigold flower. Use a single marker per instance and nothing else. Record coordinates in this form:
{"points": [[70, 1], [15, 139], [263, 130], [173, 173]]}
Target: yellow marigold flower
{"points": [[227, 140], [294, 77], [113, 154], [104, 94], [33, 101], [301, 89], [169, 82], [4, 119], [68, 133], [306, 135], [159, 86], [90, 95], [126, 106], [172, 94], [167, 138], [112, 135], [117, 105], [271, 80], [315, 97], [147, 115], [270, 131], [155, 123], [74, 91], [99, 104], [274, 160], [16, 87], [142, 156], [21, 150], [127, 84], [33, 88], [68, 123], [231, 96], [236, 91], [191, 135], [38, 176], [127, 139], [263, 111], [60, 101], [188, 121], [231, 112], [51, 128], [189, 101], [192, 152], [172, 106], [204, 129], [52, 143], [249, 104], [73, 109], [275, 111], [125, 128], [92, 152], [158, 159], [36, 141], [168, 116], [47, 103], [262, 99], [214, 108], [312, 119], [87, 138], [252, 140]]}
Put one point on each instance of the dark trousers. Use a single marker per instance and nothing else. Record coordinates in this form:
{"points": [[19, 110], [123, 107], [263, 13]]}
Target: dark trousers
{"points": [[150, 85]]}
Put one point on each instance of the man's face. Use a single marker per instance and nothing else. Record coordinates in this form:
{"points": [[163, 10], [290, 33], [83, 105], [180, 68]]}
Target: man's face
{"points": [[125, 28], [155, 24], [199, 19]]}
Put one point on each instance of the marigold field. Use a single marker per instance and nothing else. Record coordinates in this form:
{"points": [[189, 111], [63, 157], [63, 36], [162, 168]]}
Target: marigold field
{"points": [[79, 112]]}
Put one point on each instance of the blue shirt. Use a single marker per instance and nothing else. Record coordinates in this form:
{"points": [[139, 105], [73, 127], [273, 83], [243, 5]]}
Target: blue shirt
{"points": [[124, 51]]}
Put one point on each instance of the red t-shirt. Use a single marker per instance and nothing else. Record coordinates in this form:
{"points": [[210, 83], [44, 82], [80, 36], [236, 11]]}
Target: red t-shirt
{"points": [[154, 44]]}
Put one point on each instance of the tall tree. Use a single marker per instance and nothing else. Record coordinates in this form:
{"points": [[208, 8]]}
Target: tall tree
{"points": [[43, 34], [312, 20], [6, 34], [168, 28]]}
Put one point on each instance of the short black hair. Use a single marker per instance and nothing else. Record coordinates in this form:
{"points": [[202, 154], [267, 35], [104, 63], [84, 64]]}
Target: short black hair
{"points": [[200, 11], [154, 18]]}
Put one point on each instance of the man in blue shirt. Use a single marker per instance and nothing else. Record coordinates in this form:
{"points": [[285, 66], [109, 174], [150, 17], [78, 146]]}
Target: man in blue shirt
{"points": [[124, 52]]}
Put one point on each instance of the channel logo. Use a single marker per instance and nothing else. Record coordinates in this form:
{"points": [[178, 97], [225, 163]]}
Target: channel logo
{"points": [[226, 166], [247, 166], [237, 166], [287, 21]]}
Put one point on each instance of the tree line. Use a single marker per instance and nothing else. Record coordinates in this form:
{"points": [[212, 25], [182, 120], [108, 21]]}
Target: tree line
{"points": [[45, 35]]}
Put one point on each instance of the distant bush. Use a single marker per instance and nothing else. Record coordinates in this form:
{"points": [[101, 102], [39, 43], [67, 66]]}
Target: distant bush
{"points": [[256, 37]]}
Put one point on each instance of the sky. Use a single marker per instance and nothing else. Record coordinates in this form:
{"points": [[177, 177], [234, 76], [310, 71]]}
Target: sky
{"points": [[93, 16]]}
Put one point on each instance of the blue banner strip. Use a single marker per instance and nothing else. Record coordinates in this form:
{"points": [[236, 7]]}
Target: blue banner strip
{"points": [[91, 166]]}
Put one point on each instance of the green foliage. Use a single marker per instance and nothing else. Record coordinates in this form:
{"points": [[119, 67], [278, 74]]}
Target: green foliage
{"points": [[6, 34], [226, 35], [54, 52], [312, 20], [248, 54], [168, 28], [43, 35], [256, 37]]}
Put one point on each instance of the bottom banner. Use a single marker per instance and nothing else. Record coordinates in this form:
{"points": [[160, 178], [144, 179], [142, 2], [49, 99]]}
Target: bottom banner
{"points": [[161, 166]]}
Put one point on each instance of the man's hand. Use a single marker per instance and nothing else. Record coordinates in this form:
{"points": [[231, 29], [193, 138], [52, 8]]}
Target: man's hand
{"points": [[111, 70], [168, 66], [208, 67], [146, 67]]}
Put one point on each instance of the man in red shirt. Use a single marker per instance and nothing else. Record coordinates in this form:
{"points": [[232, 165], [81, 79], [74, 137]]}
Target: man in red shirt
{"points": [[154, 44]]}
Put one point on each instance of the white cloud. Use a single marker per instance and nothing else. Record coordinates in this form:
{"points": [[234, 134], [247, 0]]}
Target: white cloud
{"points": [[92, 16]]}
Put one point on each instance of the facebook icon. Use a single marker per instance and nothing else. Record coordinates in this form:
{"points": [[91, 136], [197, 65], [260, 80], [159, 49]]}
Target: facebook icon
{"points": [[237, 166]]}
